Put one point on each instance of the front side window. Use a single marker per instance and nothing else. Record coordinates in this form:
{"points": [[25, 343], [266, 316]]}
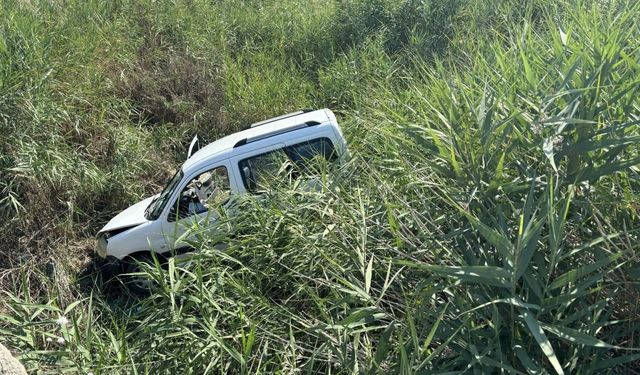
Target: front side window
{"points": [[284, 164], [209, 190]]}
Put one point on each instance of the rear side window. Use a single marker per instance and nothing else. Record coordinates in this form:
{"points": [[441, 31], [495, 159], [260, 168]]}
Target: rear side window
{"points": [[301, 152], [284, 164], [261, 170]]}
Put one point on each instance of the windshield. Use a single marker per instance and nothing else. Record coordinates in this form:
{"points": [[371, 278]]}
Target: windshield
{"points": [[157, 205]]}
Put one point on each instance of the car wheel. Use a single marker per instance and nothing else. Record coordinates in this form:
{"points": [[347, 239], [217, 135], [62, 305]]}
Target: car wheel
{"points": [[134, 277]]}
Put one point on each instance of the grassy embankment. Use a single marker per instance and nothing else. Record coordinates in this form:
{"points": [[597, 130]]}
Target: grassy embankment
{"points": [[488, 220]]}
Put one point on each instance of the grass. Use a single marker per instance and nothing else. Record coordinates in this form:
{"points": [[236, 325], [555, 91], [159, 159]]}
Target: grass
{"points": [[486, 223]]}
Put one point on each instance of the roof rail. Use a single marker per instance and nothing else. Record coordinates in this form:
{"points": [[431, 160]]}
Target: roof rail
{"points": [[244, 141], [281, 117]]}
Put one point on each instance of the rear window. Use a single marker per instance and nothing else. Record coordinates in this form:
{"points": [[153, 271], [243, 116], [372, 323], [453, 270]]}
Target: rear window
{"points": [[284, 164]]}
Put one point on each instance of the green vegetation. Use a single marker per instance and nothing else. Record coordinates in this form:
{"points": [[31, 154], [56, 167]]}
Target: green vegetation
{"points": [[487, 222]]}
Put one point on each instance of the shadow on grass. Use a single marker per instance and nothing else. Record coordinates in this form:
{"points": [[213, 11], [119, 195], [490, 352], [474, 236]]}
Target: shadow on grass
{"points": [[99, 278]]}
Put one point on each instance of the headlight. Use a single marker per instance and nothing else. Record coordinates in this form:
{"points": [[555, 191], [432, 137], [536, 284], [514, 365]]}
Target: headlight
{"points": [[101, 246]]}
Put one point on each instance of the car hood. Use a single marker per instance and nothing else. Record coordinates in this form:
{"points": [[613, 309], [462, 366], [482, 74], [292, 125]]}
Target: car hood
{"points": [[130, 217]]}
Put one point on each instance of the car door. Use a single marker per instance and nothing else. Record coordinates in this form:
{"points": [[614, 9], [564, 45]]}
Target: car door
{"points": [[194, 213]]}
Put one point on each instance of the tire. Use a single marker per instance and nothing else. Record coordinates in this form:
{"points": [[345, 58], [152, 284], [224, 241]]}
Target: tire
{"points": [[140, 285]]}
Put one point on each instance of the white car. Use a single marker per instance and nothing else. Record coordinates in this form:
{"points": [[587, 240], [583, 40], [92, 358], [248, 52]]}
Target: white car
{"points": [[236, 164]]}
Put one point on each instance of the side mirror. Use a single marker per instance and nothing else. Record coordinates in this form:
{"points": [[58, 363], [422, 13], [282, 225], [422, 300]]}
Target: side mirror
{"points": [[175, 212], [194, 146], [172, 215]]}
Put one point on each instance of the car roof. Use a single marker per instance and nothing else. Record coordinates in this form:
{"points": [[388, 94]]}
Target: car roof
{"points": [[264, 128]]}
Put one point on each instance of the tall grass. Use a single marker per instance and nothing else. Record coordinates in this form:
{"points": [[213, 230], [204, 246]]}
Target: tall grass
{"points": [[486, 223]]}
